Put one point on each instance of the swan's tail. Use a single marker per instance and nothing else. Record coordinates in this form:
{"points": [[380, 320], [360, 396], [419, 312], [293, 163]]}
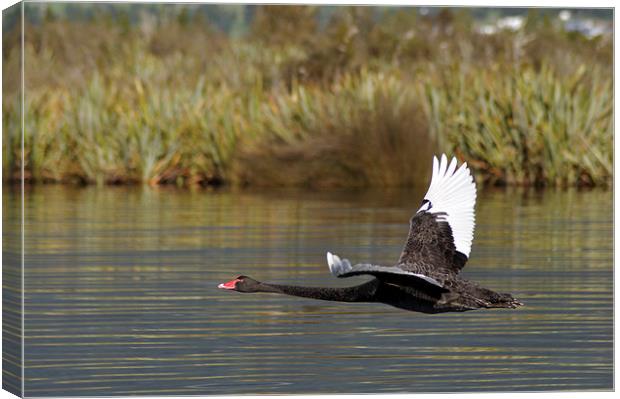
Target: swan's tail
{"points": [[505, 301], [494, 300]]}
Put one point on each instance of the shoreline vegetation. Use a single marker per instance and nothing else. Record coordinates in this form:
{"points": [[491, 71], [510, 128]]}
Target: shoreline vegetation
{"points": [[363, 101]]}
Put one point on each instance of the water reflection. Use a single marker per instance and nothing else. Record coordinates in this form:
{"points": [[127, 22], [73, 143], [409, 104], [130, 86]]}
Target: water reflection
{"points": [[121, 294]]}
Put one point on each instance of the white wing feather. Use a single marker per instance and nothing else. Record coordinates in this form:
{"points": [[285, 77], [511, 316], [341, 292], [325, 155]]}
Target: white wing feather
{"points": [[336, 265], [453, 191]]}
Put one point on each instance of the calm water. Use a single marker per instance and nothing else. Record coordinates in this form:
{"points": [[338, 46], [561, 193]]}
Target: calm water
{"points": [[121, 294]]}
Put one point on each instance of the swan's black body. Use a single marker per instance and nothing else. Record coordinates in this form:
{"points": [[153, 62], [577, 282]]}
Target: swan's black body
{"points": [[426, 278]]}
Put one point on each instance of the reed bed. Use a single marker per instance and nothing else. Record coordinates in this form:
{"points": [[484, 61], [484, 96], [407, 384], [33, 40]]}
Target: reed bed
{"points": [[358, 103]]}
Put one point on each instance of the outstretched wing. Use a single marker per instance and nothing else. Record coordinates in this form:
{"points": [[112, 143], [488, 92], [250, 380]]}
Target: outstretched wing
{"points": [[389, 274], [442, 230]]}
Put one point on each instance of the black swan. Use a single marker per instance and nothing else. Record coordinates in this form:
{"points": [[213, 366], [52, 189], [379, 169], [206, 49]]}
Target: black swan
{"points": [[426, 277]]}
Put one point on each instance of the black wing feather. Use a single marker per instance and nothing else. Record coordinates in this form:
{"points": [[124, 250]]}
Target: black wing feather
{"points": [[387, 274], [402, 280], [431, 243]]}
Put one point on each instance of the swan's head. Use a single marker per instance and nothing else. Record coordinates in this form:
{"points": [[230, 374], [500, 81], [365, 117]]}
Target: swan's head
{"points": [[240, 284]]}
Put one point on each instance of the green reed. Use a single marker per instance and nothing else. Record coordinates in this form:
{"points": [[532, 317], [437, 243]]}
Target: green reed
{"points": [[526, 126]]}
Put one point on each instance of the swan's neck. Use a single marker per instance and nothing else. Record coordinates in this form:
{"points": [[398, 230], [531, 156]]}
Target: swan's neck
{"points": [[359, 293]]}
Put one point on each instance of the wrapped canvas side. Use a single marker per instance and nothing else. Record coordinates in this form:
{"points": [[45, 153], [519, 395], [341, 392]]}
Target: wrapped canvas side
{"points": [[12, 210]]}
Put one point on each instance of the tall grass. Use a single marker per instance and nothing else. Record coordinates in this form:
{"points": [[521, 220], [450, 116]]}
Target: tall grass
{"points": [[140, 132], [359, 103], [526, 126]]}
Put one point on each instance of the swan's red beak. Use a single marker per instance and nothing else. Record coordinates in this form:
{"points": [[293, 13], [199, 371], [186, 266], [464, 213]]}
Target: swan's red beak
{"points": [[229, 285]]}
